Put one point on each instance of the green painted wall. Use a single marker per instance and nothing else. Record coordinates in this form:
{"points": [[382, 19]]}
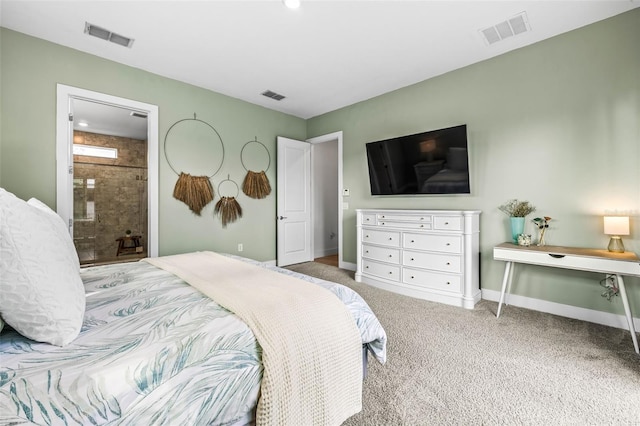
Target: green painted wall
{"points": [[556, 123], [30, 70]]}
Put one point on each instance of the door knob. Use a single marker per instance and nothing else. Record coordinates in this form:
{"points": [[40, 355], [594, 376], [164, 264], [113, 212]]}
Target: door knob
{"points": [[282, 217]]}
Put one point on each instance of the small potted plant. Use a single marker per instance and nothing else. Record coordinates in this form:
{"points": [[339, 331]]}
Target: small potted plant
{"points": [[517, 210], [542, 223], [127, 233]]}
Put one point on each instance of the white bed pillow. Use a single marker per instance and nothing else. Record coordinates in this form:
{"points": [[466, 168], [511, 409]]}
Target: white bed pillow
{"points": [[41, 293]]}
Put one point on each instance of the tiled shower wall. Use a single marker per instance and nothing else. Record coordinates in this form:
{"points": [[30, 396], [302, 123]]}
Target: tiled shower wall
{"points": [[110, 197]]}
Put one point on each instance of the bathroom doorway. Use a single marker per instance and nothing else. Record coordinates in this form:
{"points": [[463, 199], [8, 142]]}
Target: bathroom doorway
{"points": [[109, 183], [107, 179]]}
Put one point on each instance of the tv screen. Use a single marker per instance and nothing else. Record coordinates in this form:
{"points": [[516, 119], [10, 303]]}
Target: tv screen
{"points": [[433, 162]]}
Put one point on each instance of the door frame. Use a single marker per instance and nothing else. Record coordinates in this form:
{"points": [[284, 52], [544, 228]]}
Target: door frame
{"points": [[322, 139], [64, 154]]}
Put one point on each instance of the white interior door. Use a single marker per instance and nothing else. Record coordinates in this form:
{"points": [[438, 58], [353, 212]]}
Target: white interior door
{"points": [[294, 202]]}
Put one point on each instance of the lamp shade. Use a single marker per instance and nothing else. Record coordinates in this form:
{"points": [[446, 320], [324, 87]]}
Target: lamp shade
{"points": [[616, 225]]}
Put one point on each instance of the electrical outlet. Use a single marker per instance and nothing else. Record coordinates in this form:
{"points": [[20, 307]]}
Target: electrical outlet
{"points": [[240, 247]]}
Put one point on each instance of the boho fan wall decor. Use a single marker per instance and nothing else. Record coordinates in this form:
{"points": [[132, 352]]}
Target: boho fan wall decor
{"points": [[227, 207], [195, 191], [256, 184]]}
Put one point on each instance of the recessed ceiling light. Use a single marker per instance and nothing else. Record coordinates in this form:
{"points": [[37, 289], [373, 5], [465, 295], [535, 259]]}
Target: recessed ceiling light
{"points": [[291, 4], [83, 124]]}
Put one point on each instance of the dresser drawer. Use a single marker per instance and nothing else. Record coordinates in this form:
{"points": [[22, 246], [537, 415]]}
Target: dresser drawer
{"points": [[388, 272], [447, 223], [431, 242], [415, 218], [383, 238], [383, 254], [434, 261], [368, 219], [404, 225], [432, 280]]}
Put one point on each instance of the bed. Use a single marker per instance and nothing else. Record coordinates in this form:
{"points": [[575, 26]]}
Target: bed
{"points": [[152, 348]]}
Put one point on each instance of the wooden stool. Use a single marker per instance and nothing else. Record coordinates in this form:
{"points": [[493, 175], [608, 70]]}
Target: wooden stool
{"points": [[129, 245]]}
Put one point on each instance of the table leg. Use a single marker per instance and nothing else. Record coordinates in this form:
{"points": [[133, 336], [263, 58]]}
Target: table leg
{"points": [[506, 279], [627, 312]]}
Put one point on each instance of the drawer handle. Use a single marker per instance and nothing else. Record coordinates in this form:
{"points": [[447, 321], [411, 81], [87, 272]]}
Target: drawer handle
{"points": [[390, 255], [390, 239], [383, 217], [381, 223], [446, 223], [367, 251], [413, 241], [412, 259], [448, 244], [390, 273], [421, 226], [448, 263], [366, 236], [366, 267], [448, 282], [367, 219], [412, 277], [557, 256]]}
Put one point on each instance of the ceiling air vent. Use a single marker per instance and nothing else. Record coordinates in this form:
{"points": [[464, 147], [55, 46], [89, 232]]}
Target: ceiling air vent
{"points": [[273, 95], [513, 26], [107, 35], [137, 114]]}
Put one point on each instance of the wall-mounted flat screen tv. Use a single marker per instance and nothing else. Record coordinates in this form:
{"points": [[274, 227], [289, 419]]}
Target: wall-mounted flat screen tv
{"points": [[433, 162]]}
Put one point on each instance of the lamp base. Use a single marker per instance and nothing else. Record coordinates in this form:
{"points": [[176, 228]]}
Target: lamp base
{"points": [[615, 245]]}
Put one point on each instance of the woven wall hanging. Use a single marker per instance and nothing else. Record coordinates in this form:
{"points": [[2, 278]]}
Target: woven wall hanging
{"points": [[227, 207], [256, 184], [195, 191]]}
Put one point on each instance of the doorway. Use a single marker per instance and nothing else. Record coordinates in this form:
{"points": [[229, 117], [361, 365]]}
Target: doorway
{"points": [[109, 183], [107, 172], [324, 193]]}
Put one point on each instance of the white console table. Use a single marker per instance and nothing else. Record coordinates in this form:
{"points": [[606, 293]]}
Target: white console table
{"points": [[582, 259]]}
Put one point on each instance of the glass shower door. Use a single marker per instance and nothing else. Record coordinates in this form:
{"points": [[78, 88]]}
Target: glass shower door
{"points": [[84, 219], [109, 201]]}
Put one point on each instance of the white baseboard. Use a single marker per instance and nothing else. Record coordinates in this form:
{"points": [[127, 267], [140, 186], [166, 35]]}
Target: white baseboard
{"points": [[589, 315], [347, 265], [325, 252]]}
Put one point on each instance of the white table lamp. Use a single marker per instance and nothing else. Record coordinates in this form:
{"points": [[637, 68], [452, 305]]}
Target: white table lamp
{"points": [[616, 226]]}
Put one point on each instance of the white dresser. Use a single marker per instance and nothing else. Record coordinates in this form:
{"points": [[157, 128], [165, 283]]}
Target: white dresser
{"points": [[429, 254]]}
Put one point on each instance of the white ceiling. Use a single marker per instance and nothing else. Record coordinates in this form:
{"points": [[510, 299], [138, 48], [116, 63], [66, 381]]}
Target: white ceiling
{"points": [[323, 56]]}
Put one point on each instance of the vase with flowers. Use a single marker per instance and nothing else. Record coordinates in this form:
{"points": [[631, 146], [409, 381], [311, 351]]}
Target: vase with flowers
{"points": [[542, 223], [517, 210]]}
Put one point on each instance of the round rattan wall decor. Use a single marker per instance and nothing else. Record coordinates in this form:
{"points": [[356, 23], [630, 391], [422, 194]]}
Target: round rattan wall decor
{"points": [[256, 184], [228, 207], [195, 191]]}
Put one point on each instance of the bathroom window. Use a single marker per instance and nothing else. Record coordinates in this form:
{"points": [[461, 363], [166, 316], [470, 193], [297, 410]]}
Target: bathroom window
{"points": [[94, 151]]}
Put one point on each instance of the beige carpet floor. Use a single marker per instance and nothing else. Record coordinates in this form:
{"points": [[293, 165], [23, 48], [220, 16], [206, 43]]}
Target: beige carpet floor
{"points": [[453, 366]]}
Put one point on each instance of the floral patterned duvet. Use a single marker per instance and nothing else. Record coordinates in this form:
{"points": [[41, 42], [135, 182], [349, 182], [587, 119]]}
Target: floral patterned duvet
{"points": [[152, 350]]}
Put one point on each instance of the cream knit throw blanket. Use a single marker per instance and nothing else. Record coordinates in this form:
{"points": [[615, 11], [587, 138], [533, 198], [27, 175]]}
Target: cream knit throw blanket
{"points": [[311, 346]]}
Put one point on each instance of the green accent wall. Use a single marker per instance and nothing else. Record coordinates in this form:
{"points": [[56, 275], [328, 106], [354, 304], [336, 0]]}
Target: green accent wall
{"points": [[556, 123], [30, 70]]}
